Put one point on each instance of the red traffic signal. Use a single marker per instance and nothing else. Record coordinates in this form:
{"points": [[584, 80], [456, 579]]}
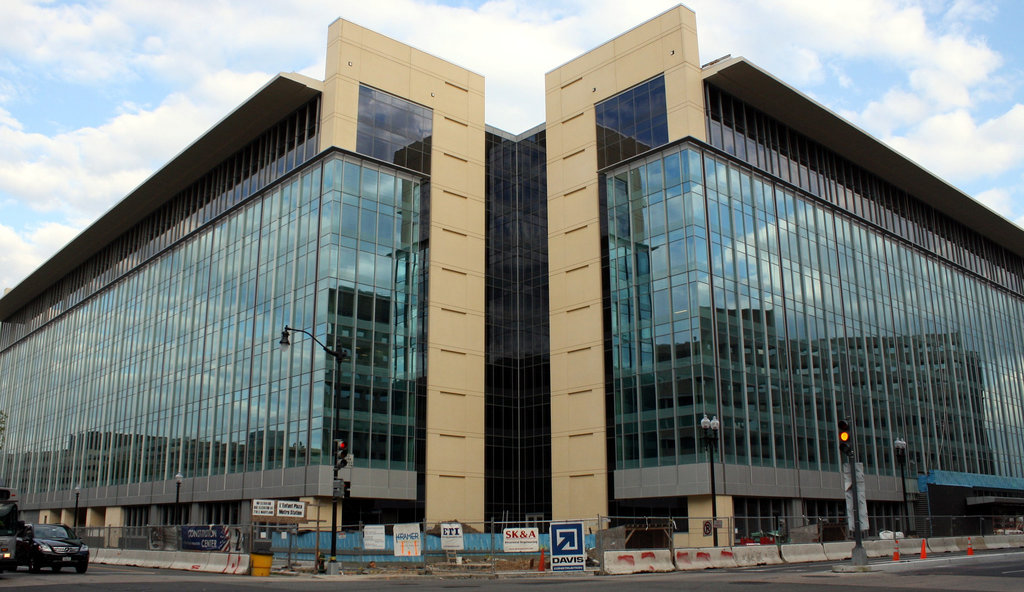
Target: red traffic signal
{"points": [[340, 454]]}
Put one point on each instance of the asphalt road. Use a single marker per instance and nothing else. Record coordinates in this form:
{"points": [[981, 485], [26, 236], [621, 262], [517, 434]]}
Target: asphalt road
{"points": [[989, 572]]}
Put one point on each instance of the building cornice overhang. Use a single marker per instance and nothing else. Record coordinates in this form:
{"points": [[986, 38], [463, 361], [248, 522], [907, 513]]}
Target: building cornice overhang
{"points": [[775, 98], [275, 100]]}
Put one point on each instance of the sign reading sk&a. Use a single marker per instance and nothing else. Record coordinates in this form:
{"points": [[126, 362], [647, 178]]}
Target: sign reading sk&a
{"points": [[521, 540]]}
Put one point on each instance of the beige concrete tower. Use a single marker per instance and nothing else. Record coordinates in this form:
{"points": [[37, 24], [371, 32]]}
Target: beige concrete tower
{"points": [[455, 388], [666, 44]]}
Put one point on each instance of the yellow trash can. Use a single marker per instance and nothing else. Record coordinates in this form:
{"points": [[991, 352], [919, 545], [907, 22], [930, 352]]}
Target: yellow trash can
{"points": [[260, 564]]}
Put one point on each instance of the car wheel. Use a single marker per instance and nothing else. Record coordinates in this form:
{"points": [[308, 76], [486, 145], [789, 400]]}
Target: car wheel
{"points": [[55, 568], [80, 568], [33, 564]]}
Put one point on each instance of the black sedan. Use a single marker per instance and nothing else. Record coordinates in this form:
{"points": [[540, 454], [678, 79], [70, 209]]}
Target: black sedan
{"points": [[51, 545]]}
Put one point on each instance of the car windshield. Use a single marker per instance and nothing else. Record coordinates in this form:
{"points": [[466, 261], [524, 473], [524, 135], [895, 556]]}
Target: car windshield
{"points": [[53, 531]]}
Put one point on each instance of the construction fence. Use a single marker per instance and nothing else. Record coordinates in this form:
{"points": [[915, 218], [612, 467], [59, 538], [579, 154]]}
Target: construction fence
{"points": [[501, 547]]}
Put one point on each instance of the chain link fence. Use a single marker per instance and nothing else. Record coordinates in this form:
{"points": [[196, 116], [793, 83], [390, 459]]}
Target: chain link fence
{"points": [[504, 547]]}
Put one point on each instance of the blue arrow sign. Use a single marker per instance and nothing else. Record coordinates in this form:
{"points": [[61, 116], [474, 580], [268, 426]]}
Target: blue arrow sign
{"points": [[567, 548]]}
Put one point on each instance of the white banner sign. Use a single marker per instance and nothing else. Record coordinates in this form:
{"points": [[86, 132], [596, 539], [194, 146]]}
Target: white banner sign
{"points": [[262, 507], [407, 540], [374, 537], [521, 540], [451, 536], [291, 509]]}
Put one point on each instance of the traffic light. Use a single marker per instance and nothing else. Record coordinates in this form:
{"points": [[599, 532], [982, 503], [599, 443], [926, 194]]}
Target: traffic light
{"points": [[845, 438], [348, 489], [341, 455]]}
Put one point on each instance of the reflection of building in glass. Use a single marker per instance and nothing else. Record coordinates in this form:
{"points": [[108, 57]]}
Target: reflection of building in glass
{"points": [[535, 323]]}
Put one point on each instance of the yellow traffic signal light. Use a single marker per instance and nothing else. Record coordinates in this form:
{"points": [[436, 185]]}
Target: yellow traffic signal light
{"points": [[845, 439]]}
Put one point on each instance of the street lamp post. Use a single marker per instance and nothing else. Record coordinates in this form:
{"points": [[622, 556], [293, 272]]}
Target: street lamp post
{"points": [[899, 447], [339, 357], [178, 477], [710, 437], [78, 490]]}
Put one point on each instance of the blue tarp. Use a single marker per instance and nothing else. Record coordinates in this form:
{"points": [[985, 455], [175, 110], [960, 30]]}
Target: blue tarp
{"points": [[952, 479], [349, 542]]}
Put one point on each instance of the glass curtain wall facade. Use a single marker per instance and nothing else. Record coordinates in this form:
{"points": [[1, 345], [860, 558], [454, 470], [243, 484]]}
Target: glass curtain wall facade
{"points": [[276, 152], [517, 405], [780, 304], [182, 370]]}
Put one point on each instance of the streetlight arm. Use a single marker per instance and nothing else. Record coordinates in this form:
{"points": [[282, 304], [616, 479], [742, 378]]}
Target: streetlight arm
{"points": [[337, 355]]}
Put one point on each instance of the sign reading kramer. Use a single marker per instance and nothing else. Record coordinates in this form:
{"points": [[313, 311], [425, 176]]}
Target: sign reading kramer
{"points": [[568, 552], [521, 540], [407, 540]]}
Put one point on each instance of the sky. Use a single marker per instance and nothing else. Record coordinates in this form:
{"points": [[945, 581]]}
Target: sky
{"points": [[96, 96]]}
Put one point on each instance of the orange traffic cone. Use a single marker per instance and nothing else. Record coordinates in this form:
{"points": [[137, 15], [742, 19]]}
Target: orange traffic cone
{"points": [[970, 549], [924, 549], [896, 553], [541, 566]]}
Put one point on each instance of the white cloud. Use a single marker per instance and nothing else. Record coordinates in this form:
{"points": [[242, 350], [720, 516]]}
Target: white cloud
{"points": [[962, 149], [22, 252]]}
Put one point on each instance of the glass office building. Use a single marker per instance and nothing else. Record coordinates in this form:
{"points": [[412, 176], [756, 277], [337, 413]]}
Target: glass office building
{"points": [[533, 324]]}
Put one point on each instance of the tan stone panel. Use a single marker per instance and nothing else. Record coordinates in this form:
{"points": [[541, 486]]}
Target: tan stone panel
{"points": [[582, 243], [580, 365], [587, 408], [454, 100], [605, 80], [455, 453], [582, 207], [384, 73], [644, 32], [640, 64], [455, 172], [576, 97], [583, 283], [456, 210], [386, 46], [456, 249], [578, 168], [455, 412], [455, 328], [454, 497], [579, 496], [455, 371], [579, 325], [448, 285], [582, 65], [578, 131]]}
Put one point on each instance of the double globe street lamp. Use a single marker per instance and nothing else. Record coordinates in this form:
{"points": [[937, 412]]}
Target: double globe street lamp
{"points": [[339, 357], [710, 437]]}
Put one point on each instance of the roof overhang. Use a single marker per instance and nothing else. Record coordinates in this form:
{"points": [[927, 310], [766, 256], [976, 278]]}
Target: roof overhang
{"points": [[766, 93], [275, 100]]}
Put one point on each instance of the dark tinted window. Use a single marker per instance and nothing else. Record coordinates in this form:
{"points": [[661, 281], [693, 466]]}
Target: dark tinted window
{"points": [[394, 130], [632, 122]]}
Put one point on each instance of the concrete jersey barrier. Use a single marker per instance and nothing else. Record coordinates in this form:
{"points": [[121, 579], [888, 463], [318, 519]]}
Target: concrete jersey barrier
{"points": [[750, 555], [638, 561], [803, 553]]}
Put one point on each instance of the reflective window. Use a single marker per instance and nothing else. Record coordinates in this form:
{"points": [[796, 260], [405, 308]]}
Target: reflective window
{"points": [[632, 122], [765, 306], [394, 130]]}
